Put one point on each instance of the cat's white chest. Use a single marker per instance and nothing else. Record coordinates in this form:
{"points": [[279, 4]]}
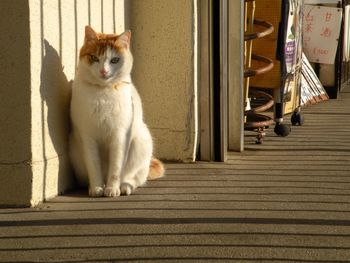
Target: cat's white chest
{"points": [[103, 112], [109, 106], [112, 109]]}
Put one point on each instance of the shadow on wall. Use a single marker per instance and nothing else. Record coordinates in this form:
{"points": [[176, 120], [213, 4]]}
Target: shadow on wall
{"points": [[55, 92]]}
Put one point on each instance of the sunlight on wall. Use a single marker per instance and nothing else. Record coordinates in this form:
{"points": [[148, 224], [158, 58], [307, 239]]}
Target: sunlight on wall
{"points": [[57, 33], [41, 46], [42, 43], [165, 66]]}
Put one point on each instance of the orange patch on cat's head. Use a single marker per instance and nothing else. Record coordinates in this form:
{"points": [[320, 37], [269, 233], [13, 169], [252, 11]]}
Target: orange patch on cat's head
{"points": [[97, 43]]}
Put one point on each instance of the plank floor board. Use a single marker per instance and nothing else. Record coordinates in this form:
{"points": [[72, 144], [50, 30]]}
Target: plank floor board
{"points": [[287, 200]]}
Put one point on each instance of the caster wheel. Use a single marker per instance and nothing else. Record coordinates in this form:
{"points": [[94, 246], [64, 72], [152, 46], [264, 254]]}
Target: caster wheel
{"points": [[282, 130], [297, 119]]}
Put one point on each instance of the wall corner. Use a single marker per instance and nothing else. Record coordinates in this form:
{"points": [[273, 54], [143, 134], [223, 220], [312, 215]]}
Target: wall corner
{"points": [[15, 115]]}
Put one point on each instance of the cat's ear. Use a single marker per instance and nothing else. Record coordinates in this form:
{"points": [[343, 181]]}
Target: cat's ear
{"points": [[124, 38], [90, 34]]}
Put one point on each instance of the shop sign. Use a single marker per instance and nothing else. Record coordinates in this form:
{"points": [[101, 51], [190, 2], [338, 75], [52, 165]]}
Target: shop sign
{"points": [[321, 27]]}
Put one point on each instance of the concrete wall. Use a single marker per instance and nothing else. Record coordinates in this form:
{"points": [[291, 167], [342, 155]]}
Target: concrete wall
{"points": [[164, 44], [39, 44], [15, 113], [40, 41], [57, 33]]}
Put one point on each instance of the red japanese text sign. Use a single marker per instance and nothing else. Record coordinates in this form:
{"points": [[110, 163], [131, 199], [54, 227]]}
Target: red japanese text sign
{"points": [[321, 27]]}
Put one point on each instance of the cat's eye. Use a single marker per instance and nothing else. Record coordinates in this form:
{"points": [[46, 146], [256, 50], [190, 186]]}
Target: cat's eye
{"points": [[115, 60], [94, 58]]}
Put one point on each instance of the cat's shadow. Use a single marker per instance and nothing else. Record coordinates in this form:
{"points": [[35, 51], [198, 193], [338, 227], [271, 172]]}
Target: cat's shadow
{"points": [[55, 91]]}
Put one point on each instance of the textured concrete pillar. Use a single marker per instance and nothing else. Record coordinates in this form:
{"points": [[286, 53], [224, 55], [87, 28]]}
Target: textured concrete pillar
{"points": [[164, 44], [15, 114], [39, 42]]}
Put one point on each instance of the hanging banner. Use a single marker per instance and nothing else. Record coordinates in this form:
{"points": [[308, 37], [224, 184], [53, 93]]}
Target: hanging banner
{"points": [[321, 28], [293, 56]]}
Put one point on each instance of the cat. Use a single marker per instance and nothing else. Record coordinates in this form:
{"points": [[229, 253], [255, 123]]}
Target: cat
{"points": [[110, 145]]}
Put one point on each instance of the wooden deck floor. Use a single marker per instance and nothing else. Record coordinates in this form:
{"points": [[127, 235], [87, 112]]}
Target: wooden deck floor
{"points": [[287, 200]]}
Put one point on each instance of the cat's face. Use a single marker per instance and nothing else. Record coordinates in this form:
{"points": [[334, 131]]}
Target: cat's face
{"points": [[105, 58]]}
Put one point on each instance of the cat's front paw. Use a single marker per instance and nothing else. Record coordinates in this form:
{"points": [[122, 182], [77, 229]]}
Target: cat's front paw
{"points": [[112, 191], [96, 191], [126, 189]]}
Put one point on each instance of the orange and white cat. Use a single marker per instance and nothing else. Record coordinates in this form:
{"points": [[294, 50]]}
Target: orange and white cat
{"points": [[110, 145]]}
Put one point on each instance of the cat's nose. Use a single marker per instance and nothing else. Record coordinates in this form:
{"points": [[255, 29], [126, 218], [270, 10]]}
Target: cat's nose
{"points": [[104, 72]]}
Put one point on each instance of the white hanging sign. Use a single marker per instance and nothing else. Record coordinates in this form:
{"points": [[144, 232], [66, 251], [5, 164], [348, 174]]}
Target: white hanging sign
{"points": [[321, 28]]}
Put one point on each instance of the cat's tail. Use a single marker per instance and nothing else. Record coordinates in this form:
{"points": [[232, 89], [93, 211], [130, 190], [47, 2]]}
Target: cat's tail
{"points": [[156, 169]]}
